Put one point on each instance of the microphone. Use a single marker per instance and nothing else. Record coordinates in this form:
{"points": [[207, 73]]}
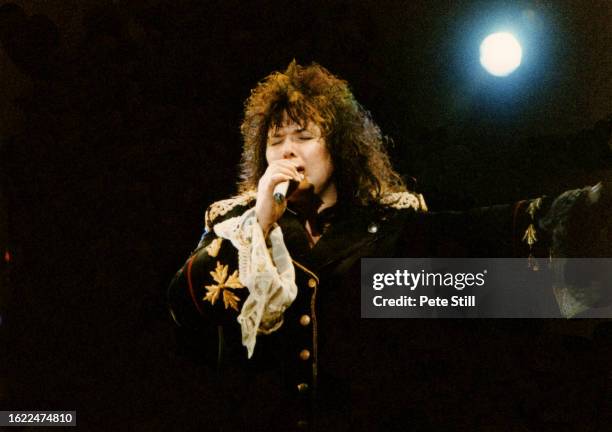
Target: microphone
{"points": [[280, 191], [285, 188]]}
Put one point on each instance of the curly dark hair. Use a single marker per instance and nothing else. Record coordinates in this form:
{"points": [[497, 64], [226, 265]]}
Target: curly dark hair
{"points": [[362, 170]]}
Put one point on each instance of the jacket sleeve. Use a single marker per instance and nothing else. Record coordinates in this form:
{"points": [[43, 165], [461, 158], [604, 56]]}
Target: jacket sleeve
{"points": [[575, 224], [499, 231], [206, 291], [205, 296]]}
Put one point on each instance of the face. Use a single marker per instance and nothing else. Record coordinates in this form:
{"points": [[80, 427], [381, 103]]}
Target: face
{"points": [[306, 148]]}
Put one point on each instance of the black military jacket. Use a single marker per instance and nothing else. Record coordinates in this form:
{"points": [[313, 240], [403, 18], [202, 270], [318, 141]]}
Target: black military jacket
{"points": [[326, 368]]}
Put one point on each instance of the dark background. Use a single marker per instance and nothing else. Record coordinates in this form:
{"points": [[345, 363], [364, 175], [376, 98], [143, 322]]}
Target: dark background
{"points": [[119, 125]]}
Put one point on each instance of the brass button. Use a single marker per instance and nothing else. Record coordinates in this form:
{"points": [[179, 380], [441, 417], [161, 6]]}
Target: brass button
{"points": [[312, 283], [304, 320], [373, 228], [302, 387], [304, 354]]}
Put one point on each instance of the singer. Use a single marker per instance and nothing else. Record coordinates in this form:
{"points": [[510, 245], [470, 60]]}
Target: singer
{"points": [[271, 293]]}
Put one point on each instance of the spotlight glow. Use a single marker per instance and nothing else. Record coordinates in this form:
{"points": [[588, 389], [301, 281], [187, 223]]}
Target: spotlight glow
{"points": [[500, 54]]}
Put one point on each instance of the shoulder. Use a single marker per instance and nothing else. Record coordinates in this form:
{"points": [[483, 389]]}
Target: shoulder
{"points": [[224, 209], [394, 208], [403, 200]]}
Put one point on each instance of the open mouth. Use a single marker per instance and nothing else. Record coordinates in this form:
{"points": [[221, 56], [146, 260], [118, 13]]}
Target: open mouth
{"points": [[301, 171]]}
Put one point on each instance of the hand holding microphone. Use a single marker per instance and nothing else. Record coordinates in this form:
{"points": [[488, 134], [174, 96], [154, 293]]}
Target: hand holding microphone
{"points": [[278, 182], [284, 189], [280, 191]]}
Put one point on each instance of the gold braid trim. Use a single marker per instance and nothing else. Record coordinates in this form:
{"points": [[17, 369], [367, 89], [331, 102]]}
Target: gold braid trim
{"points": [[220, 208], [402, 200], [396, 200]]}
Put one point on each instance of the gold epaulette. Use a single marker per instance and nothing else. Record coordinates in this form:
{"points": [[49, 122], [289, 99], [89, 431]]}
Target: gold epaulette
{"points": [[222, 207], [403, 200]]}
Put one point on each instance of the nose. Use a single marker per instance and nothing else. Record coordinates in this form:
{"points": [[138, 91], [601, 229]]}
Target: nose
{"points": [[287, 150]]}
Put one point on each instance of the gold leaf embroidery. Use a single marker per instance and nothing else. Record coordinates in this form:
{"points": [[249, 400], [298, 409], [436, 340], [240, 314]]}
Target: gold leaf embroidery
{"points": [[213, 248], [224, 283], [230, 300], [530, 235], [534, 206], [233, 281]]}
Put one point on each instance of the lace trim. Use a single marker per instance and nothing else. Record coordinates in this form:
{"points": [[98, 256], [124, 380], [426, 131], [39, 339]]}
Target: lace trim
{"points": [[269, 275]]}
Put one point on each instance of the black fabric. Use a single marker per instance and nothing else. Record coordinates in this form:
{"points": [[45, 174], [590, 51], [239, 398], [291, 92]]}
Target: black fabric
{"points": [[386, 375]]}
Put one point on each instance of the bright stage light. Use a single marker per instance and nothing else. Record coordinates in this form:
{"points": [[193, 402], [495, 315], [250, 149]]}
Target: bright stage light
{"points": [[500, 54]]}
